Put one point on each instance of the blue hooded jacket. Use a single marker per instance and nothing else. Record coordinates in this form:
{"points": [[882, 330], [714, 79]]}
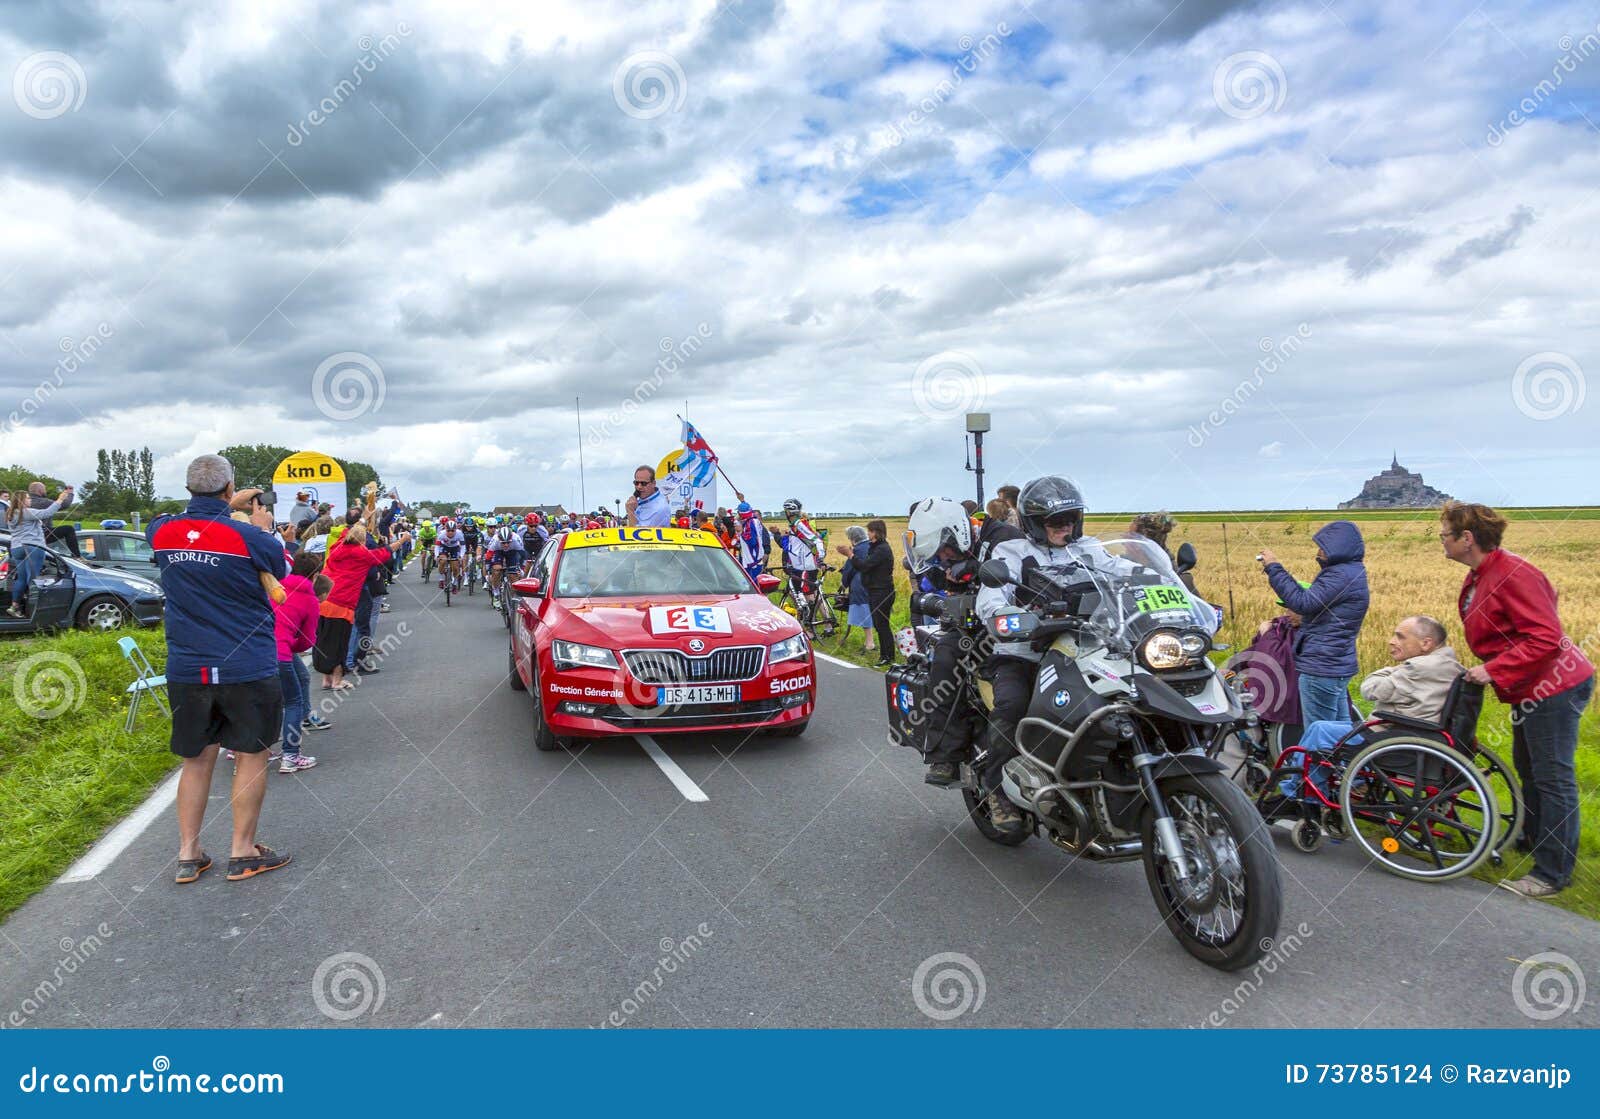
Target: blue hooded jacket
{"points": [[1333, 606]]}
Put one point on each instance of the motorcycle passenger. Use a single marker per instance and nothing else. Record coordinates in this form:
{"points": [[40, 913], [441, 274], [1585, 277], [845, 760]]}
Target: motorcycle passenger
{"points": [[996, 528], [1050, 510], [941, 546]]}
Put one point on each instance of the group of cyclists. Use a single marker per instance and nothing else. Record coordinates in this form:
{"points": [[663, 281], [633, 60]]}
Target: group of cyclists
{"points": [[499, 542], [503, 543]]}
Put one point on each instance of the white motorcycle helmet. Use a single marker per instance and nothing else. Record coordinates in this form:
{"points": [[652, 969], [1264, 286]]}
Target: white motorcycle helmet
{"points": [[935, 522]]}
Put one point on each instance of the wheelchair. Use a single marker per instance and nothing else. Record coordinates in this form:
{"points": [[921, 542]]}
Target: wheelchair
{"points": [[1426, 800]]}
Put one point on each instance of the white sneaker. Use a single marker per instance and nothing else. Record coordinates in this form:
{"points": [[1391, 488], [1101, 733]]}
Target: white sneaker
{"points": [[294, 763]]}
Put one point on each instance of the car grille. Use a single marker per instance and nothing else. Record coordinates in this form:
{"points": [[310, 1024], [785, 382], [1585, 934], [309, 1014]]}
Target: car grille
{"points": [[669, 666], [709, 715]]}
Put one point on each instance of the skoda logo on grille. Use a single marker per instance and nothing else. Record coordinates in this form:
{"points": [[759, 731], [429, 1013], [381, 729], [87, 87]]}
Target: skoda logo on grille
{"points": [[696, 645]]}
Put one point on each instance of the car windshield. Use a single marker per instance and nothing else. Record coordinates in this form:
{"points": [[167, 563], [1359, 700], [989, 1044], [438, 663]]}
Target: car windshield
{"points": [[615, 571]]}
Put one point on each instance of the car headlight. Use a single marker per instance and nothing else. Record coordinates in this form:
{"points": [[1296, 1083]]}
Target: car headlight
{"points": [[787, 650], [570, 654], [1166, 649]]}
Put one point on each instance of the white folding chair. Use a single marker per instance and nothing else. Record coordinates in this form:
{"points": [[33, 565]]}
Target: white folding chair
{"points": [[146, 681]]}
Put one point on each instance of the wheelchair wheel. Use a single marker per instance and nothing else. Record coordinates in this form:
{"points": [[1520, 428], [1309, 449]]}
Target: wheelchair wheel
{"points": [[1419, 807], [1307, 836], [1502, 781]]}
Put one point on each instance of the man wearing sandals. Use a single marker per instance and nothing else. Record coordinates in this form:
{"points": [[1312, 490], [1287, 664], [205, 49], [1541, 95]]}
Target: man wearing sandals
{"points": [[222, 671]]}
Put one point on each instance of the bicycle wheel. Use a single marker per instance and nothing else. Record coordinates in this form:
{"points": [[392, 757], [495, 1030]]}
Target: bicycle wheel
{"points": [[1419, 807], [822, 611]]}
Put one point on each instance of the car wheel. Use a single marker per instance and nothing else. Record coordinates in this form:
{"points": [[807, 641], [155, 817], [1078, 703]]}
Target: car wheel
{"points": [[102, 614], [544, 738], [793, 730], [512, 676]]}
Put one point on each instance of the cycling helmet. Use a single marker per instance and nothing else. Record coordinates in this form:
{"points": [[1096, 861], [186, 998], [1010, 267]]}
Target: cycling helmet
{"points": [[1051, 498], [791, 506], [936, 522], [531, 519], [592, 524]]}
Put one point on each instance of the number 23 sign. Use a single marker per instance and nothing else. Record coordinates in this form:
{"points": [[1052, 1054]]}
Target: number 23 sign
{"points": [[690, 619]]}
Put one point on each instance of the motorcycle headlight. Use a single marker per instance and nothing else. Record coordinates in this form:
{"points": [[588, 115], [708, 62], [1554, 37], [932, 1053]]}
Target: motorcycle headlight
{"points": [[570, 654], [1166, 649], [787, 650], [1162, 650]]}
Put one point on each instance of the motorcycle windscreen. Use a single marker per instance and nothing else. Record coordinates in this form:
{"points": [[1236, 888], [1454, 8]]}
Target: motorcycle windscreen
{"points": [[1138, 586]]}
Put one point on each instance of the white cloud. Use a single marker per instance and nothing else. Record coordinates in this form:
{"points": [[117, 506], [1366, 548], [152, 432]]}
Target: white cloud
{"points": [[1115, 287]]}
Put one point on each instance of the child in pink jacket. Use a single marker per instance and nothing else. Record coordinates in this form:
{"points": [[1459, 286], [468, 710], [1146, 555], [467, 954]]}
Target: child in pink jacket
{"points": [[296, 623]]}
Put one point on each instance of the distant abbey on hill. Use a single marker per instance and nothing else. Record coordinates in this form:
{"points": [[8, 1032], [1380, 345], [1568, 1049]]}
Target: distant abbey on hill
{"points": [[1396, 488]]}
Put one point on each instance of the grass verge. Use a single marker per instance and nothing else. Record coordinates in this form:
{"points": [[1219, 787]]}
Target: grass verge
{"points": [[67, 770]]}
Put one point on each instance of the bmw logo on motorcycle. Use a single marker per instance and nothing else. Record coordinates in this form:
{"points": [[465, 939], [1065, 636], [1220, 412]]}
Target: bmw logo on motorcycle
{"points": [[1059, 699]]}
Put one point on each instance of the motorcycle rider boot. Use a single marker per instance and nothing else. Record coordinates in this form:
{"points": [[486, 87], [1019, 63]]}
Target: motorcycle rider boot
{"points": [[1002, 813], [942, 774]]}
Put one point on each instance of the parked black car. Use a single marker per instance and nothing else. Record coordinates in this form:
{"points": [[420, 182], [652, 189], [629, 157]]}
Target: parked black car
{"points": [[70, 592]]}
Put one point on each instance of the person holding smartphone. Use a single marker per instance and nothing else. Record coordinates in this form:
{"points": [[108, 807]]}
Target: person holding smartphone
{"points": [[28, 517]]}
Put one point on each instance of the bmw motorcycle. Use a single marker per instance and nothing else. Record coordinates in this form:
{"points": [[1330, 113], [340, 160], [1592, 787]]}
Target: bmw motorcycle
{"points": [[1112, 758]]}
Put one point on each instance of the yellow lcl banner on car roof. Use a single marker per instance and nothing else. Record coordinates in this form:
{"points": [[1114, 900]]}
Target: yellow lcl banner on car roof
{"points": [[594, 537]]}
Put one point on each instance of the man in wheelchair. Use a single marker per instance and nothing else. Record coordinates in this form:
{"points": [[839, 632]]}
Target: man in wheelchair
{"points": [[1416, 685]]}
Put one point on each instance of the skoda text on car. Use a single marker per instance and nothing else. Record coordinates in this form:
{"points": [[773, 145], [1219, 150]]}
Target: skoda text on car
{"points": [[654, 631]]}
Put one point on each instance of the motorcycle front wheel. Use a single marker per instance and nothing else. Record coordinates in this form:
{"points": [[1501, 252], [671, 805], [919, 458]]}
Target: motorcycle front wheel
{"points": [[1226, 913]]}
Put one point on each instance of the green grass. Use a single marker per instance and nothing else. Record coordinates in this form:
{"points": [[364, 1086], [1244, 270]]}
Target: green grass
{"points": [[1494, 731], [67, 770]]}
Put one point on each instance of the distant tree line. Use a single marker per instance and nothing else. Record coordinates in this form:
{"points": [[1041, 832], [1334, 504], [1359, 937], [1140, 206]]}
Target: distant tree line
{"points": [[124, 481]]}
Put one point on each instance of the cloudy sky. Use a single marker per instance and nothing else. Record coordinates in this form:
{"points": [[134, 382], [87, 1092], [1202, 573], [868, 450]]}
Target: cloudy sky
{"points": [[1211, 255]]}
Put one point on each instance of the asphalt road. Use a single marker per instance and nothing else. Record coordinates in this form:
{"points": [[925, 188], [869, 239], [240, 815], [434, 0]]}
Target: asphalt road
{"points": [[487, 884]]}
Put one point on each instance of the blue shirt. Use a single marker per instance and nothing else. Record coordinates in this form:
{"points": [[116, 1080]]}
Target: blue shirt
{"points": [[653, 511], [219, 620]]}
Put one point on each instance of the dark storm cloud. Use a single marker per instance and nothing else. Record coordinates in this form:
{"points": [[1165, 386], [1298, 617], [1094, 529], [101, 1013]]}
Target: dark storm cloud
{"points": [[1488, 246], [366, 107], [1124, 25]]}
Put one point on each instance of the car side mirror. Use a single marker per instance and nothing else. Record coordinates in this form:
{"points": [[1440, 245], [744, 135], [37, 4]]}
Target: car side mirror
{"points": [[766, 584], [1186, 557], [529, 585], [994, 573]]}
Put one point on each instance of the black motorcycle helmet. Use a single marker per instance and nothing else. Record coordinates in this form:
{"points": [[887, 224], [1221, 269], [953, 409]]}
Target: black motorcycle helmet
{"points": [[1054, 499]]}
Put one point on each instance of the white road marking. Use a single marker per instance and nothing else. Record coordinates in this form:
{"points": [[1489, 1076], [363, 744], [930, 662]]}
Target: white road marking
{"points": [[691, 791], [835, 660], [121, 837]]}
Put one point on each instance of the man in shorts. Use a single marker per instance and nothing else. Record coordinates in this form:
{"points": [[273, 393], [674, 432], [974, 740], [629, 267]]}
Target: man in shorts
{"points": [[222, 658]]}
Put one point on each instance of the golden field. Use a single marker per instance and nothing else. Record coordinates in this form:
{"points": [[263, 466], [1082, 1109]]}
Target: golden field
{"points": [[1407, 574]]}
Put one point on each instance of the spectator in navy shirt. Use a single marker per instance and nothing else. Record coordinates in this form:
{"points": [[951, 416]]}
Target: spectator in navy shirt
{"points": [[222, 658]]}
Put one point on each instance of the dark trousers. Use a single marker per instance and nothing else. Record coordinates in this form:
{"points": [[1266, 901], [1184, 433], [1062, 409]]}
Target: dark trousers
{"points": [[1544, 742], [1012, 678], [296, 685], [881, 608], [361, 631], [954, 659], [66, 534]]}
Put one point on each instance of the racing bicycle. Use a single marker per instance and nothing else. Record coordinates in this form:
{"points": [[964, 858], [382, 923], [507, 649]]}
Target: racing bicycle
{"points": [[813, 611]]}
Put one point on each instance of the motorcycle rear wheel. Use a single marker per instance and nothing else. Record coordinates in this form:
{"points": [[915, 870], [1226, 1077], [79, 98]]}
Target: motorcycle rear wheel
{"points": [[1228, 916], [978, 809]]}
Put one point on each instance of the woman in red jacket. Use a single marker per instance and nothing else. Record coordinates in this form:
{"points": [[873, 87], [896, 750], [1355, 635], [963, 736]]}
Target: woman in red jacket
{"points": [[347, 564], [1508, 609]]}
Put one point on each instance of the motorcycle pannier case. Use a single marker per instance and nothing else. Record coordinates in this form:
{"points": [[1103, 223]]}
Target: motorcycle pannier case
{"points": [[906, 687]]}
